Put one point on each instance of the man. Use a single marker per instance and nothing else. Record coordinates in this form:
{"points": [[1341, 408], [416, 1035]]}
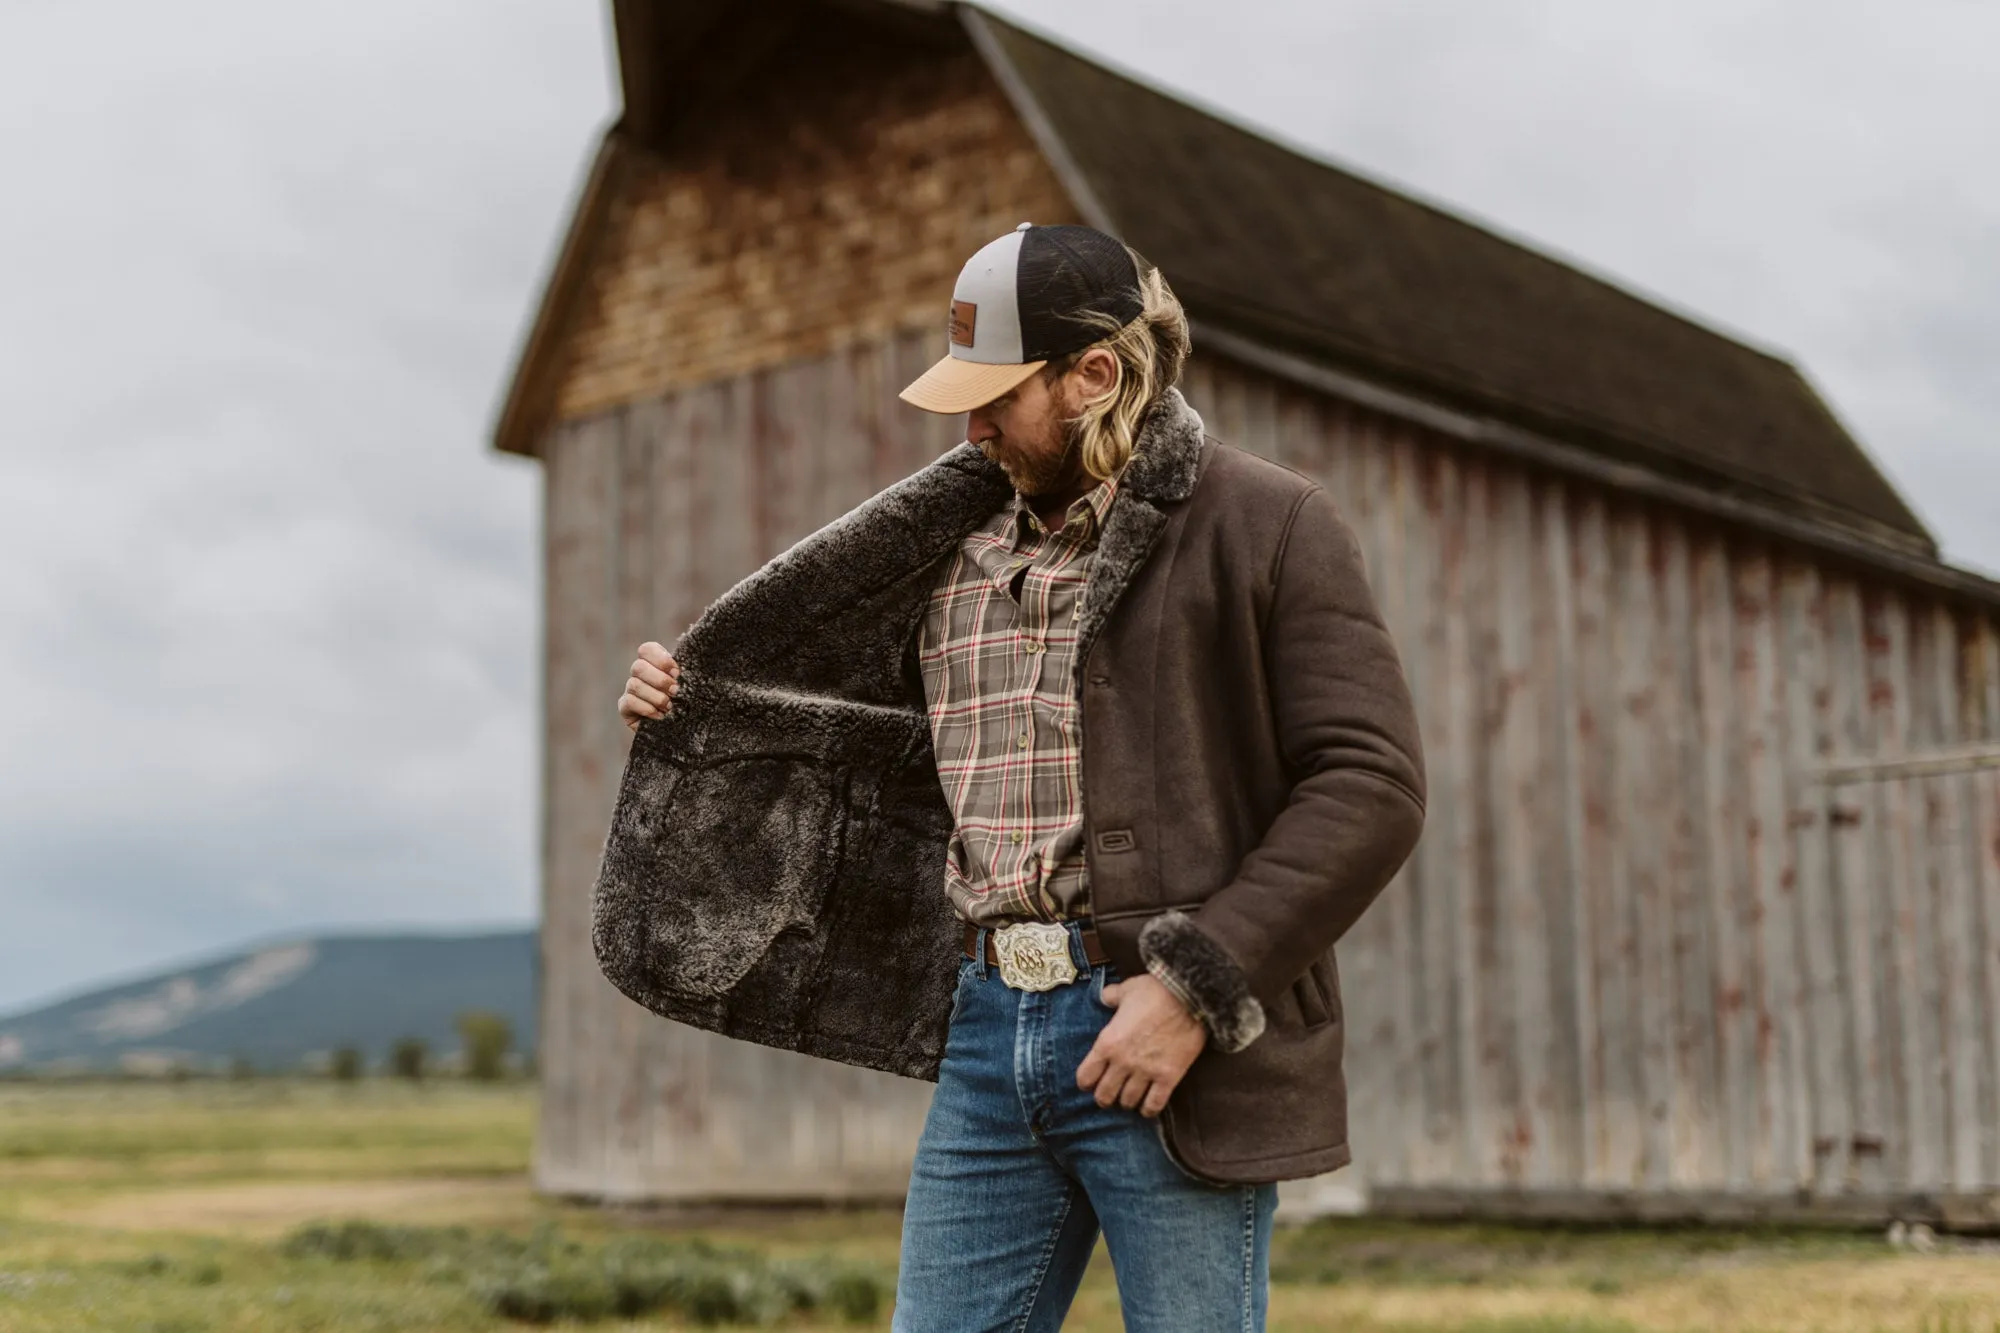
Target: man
{"points": [[1052, 772]]}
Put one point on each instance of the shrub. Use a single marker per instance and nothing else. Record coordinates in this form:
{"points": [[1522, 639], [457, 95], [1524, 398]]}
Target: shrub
{"points": [[350, 1241], [486, 1038], [546, 1277], [408, 1057], [199, 1272]]}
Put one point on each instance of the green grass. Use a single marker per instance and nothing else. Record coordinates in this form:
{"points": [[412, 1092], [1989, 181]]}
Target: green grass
{"points": [[1603, 1261], [129, 1132], [548, 1276], [285, 1206], [305, 1205]]}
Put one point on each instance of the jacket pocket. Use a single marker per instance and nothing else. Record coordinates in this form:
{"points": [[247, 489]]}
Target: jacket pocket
{"points": [[1312, 1005], [745, 849], [1275, 1110], [1314, 996]]}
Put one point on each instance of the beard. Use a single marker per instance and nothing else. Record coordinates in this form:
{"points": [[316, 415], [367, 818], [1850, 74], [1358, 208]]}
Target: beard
{"points": [[1039, 471]]}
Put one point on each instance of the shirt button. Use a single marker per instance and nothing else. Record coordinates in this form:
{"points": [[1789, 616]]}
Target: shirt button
{"points": [[1024, 740], [1017, 835]]}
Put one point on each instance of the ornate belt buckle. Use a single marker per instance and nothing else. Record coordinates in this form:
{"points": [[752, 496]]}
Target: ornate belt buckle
{"points": [[1034, 955]]}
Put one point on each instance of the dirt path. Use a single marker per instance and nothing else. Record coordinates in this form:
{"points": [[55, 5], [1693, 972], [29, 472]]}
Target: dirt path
{"points": [[273, 1207]]}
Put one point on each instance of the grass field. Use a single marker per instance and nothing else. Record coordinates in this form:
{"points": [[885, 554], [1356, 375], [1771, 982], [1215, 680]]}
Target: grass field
{"points": [[206, 1207]]}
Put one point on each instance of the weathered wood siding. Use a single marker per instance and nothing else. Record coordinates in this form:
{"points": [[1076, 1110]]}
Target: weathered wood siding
{"points": [[1649, 946]]}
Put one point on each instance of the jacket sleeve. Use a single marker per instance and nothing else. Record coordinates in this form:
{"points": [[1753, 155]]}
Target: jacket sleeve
{"points": [[1348, 733]]}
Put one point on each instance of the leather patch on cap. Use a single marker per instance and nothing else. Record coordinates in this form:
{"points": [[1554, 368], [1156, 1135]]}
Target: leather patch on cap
{"points": [[964, 315]]}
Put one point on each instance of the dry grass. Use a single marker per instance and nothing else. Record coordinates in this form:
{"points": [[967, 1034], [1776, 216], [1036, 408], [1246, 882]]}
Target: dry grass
{"points": [[62, 1137], [1838, 1296], [163, 1208], [271, 1208]]}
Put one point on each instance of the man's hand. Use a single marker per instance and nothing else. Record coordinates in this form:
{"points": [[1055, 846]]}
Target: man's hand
{"points": [[650, 692], [1146, 1048]]}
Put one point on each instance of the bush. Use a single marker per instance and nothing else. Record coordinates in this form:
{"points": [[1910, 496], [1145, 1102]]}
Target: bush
{"points": [[641, 1276], [199, 1272], [853, 1295], [349, 1241], [547, 1277], [408, 1057], [346, 1064], [486, 1038]]}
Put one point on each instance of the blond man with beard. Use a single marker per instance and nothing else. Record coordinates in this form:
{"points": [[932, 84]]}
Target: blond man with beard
{"points": [[1053, 772]]}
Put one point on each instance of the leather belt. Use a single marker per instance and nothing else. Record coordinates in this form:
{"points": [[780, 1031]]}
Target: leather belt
{"points": [[1093, 947]]}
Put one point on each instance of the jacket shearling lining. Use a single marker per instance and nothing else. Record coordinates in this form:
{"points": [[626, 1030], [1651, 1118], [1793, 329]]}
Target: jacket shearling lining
{"points": [[774, 866]]}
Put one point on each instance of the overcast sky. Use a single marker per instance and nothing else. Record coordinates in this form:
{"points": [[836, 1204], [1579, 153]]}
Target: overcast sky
{"points": [[269, 602]]}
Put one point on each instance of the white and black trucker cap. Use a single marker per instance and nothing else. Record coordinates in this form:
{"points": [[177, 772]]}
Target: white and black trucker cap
{"points": [[1035, 294]]}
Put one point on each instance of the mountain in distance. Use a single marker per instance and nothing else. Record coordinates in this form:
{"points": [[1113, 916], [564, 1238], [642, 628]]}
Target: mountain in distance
{"points": [[285, 1004]]}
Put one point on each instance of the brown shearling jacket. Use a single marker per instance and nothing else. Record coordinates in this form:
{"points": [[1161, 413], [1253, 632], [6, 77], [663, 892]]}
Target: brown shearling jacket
{"points": [[1252, 779]]}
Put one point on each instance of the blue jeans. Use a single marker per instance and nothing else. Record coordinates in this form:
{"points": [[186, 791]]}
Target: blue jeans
{"points": [[1018, 1168]]}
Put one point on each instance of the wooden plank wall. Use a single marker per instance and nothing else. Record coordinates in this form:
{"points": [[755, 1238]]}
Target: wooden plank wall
{"points": [[652, 510], [1641, 952], [1641, 949]]}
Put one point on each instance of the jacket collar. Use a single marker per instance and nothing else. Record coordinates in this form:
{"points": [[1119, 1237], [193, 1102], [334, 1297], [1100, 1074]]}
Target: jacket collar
{"points": [[1165, 463], [1168, 456]]}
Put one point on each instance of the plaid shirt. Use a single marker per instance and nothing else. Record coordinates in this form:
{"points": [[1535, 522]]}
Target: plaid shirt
{"points": [[996, 646]]}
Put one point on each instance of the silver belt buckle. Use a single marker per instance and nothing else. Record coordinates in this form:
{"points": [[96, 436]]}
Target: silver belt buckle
{"points": [[1034, 955]]}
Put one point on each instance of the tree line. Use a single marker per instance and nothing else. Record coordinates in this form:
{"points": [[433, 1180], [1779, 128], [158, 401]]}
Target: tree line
{"points": [[485, 1040]]}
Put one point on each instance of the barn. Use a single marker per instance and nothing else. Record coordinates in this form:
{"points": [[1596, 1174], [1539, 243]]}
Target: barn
{"points": [[1706, 919]]}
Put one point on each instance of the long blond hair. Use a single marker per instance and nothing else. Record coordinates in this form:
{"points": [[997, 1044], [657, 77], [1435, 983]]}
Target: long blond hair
{"points": [[1149, 352]]}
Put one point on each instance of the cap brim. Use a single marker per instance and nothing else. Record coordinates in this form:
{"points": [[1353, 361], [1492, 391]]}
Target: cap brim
{"points": [[953, 386]]}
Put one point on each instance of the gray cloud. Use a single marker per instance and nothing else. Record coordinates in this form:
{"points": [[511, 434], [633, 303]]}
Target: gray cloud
{"points": [[271, 604]]}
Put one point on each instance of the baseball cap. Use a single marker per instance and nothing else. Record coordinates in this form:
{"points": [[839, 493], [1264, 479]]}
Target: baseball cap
{"points": [[1022, 301]]}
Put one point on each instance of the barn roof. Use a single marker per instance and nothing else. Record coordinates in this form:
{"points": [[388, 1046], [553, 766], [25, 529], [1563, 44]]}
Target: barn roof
{"points": [[1265, 241], [1302, 264]]}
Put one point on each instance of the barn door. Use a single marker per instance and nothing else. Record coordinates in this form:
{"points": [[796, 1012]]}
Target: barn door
{"points": [[1902, 996]]}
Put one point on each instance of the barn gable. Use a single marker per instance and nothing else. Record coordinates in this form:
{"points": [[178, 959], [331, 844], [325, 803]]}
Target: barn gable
{"points": [[839, 169]]}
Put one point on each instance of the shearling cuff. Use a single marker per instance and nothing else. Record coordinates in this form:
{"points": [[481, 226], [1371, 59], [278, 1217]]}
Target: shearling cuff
{"points": [[1204, 978]]}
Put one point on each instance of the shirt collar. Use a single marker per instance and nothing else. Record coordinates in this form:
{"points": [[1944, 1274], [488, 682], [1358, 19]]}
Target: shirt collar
{"points": [[1096, 502]]}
